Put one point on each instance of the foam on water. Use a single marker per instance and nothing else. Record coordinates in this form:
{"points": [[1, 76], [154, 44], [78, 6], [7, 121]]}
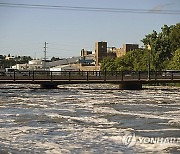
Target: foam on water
{"points": [[73, 119]]}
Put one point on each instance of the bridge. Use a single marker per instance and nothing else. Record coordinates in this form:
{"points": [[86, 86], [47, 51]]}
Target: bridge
{"points": [[125, 80]]}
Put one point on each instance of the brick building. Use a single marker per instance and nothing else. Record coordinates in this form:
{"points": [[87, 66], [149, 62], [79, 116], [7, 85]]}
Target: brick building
{"points": [[91, 61], [126, 48], [100, 51]]}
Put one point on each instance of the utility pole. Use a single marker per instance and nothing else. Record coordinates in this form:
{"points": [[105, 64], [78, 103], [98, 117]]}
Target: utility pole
{"points": [[45, 51]]}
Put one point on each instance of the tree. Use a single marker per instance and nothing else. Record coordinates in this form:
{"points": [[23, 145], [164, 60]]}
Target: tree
{"points": [[125, 63], [163, 45], [55, 59], [175, 37], [25, 59], [108, 64], [175, 62], [163, 53], [135, 60], [2, 57]]}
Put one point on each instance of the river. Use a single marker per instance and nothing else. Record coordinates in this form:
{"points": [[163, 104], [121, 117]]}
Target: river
{"points": [[89, 119]]}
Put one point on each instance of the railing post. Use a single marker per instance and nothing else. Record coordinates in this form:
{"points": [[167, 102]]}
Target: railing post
{"points": [[14, 75], [105, 75], [87, 75], [69, 76], [33, 76], [51, 76], [116, 74], [155, 75], [172, 77], [122, 76], [139, 75], [149, 75]]}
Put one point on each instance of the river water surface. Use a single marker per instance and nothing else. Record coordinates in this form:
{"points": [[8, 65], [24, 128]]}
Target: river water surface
{"points": [[88, 119]]}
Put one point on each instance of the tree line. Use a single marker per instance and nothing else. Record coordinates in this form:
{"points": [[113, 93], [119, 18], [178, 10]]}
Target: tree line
{"points": [[161, 49], [7, 63]]}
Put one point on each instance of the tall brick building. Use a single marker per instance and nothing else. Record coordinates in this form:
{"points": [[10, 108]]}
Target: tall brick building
{"points": [[100, 51]]}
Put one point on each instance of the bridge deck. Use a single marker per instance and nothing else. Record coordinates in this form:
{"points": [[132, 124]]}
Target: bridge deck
{"points": [[78, 77]]}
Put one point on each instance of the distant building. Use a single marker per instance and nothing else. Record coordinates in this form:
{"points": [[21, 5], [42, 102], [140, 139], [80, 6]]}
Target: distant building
{"points": [[126, 48], [87, 58], [100, 51], [41, 65], [64, 68], [83, 67], [111, 52], [31, 65], [90, 61], [85, 53], [35, 62]]}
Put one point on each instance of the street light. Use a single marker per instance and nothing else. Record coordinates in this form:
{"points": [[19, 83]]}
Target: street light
{"points": [[149, 62]]}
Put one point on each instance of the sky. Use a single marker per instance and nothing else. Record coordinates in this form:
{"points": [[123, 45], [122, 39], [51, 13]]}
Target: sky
{"points": [[23, 30]]}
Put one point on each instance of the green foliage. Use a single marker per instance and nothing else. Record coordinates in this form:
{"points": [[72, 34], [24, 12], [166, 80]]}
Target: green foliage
{"points": [[108, 64], [175, 37], [23, 59], [7, 63], [163, 45], [55, 59], [163, 53], [174, 64], [133, 60], [17, 60], [2, 57]]}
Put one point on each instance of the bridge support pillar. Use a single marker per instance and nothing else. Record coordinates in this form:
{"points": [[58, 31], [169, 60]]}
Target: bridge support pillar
{"points": [[130, 86], [48, 86]]}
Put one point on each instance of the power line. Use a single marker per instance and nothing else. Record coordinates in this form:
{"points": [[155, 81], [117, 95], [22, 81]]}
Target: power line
{"points": [[93, 9]]}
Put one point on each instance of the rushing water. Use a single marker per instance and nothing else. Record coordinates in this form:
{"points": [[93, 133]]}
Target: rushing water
{"points": [[87, 119]]}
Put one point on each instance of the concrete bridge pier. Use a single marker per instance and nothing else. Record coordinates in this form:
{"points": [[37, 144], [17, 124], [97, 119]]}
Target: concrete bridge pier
{"points": [[48, 86], [130, 86]]}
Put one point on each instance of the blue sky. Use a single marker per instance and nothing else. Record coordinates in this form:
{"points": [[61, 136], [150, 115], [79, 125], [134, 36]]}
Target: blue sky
{"points": [[23, 31]]}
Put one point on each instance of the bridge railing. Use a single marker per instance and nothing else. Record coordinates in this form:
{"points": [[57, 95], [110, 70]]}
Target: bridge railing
{"points": [[90, 75]]}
